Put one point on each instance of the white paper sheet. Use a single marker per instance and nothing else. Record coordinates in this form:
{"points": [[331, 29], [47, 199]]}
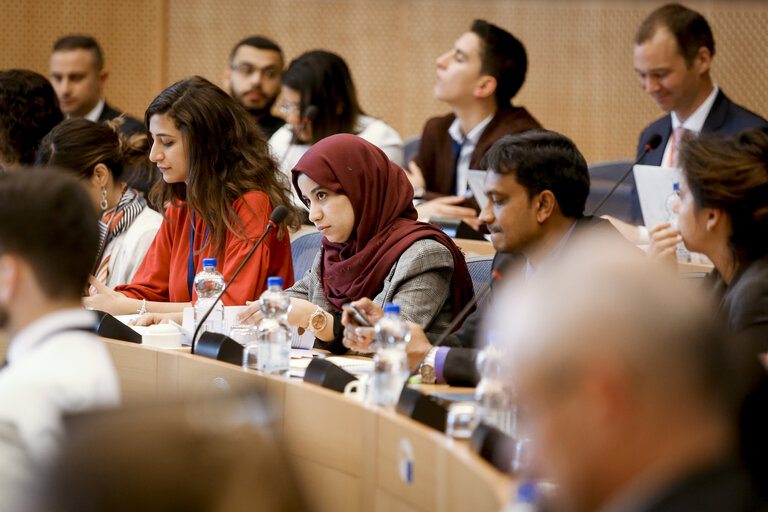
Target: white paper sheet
{"points": [[654, 186], [476, 180]]}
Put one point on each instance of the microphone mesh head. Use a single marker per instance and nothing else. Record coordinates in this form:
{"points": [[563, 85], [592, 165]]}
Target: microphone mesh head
{"points": [[654, 141], [310, 113], [279, 214]]}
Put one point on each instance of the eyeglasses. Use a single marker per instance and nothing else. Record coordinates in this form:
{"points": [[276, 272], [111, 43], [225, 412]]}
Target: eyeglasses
{"points": [[245, 70], [288, 108]]}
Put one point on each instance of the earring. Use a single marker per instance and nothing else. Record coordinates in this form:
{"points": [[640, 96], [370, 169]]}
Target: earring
{"points": [[103, 202]]}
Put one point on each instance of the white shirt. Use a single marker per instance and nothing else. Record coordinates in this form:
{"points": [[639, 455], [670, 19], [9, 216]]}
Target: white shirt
{"points": [[95, 114], [130, 247], [375, 131], [469, 143], [693, 124], [51, 372]]}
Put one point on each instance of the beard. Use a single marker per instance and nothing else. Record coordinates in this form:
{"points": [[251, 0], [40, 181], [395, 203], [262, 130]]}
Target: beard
{"points": [[257, 112]]}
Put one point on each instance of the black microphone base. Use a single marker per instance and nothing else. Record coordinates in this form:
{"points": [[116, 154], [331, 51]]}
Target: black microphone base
{"points": [[328, 375], [108, 326], [425, 409], [220, 347], [494, 446]]}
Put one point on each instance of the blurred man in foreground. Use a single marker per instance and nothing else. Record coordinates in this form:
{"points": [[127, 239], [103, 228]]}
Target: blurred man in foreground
{"points": [[627, 388], [56, 364]]}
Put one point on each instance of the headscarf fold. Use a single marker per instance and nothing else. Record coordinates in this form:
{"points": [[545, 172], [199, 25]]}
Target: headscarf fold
{"points": [[385, 220]]}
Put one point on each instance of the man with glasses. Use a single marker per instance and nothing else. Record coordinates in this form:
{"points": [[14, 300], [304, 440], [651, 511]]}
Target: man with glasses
{"points": [[253, 79]]}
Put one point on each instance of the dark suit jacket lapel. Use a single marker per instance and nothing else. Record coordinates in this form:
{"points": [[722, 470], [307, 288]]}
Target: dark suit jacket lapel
{"points": [[664, 129], [717, 114]]}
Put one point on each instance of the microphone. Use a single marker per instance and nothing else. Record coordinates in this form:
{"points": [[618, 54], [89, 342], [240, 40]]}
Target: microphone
{"points": [[653, 142], [278, 215], [460, 317], [309, 115]]}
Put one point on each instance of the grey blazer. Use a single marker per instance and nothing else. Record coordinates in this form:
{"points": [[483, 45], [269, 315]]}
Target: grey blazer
{"points": [[420, 283]]}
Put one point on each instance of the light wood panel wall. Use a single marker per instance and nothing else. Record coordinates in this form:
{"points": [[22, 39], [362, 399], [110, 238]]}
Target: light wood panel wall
{"points": [[580, 79]]}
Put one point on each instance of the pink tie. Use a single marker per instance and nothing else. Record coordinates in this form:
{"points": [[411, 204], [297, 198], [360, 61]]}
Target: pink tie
{"points": [[677, 136]]}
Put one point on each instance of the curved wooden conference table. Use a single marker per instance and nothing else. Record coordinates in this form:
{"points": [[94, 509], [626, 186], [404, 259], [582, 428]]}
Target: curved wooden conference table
{"points": [[348, 456]]}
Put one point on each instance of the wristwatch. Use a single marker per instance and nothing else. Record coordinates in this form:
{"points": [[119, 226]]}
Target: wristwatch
{"points": [[317, 321], [427, 368]]}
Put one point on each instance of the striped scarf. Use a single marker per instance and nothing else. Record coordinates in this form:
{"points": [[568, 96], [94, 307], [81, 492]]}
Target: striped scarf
{"points": [[112, 223]]}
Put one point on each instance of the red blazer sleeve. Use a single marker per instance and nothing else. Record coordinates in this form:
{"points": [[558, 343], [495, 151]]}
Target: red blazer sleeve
{"points": [[272, 258], [162, 275]]}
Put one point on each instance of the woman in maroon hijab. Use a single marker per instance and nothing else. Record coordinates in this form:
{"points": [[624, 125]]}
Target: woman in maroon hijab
{"points": [[373, 246]]}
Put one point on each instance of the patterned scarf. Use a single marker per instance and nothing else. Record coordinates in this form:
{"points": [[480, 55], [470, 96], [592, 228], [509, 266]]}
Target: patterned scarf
{"points": [[112, 223]]}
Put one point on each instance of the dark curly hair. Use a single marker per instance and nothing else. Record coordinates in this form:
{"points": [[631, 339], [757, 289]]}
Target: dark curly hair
{"points": [[28, 110]]}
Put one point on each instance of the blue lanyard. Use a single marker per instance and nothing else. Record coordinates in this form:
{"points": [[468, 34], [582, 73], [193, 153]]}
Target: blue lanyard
{"points": [[191, 263]]}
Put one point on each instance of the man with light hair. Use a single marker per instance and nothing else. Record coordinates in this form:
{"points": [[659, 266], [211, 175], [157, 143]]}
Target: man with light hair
{"points": [[626, 386]]}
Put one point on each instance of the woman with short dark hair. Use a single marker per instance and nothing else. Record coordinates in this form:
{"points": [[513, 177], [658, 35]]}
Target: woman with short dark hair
{"points": [[723, 213]]}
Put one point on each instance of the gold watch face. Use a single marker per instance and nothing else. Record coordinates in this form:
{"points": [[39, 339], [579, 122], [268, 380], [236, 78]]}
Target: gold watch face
{"points": [[317, 321], [427, 374]]}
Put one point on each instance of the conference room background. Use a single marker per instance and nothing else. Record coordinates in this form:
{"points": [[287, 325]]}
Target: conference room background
{"points": [[580, 80]]}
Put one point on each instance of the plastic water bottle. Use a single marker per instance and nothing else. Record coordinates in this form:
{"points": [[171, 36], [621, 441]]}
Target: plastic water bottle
{"points": [[526, 498], [494, 400], [390, 360], [208, 284], [274, 335], [672, 216]]}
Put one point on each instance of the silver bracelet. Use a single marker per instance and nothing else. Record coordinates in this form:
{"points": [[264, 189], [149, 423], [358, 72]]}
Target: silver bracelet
{"points": [[143, 307]]}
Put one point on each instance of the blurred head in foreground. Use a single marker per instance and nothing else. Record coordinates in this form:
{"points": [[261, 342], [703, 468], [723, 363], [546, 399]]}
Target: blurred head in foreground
{"points": [[627, 385], [215, 456]]}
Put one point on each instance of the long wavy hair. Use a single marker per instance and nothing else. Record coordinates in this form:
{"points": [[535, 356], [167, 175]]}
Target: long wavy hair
{"points": [[228, 157]]}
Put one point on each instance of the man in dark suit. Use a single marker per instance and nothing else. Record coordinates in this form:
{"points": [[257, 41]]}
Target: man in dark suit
{"points": [[628, 387], [537, 184], [78, 76], [253, 79], [477, 78], [674, 48]]}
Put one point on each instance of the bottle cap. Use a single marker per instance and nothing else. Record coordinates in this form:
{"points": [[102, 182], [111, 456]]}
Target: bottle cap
{"points": [[527, 492], [274, 281], [209, 262], [390, 307], [676, 186]]}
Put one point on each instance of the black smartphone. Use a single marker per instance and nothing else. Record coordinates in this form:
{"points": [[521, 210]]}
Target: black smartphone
{"points": [[357, 316]]}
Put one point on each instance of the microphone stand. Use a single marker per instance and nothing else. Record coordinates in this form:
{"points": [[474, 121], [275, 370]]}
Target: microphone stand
{"points": [[278, 215]]}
